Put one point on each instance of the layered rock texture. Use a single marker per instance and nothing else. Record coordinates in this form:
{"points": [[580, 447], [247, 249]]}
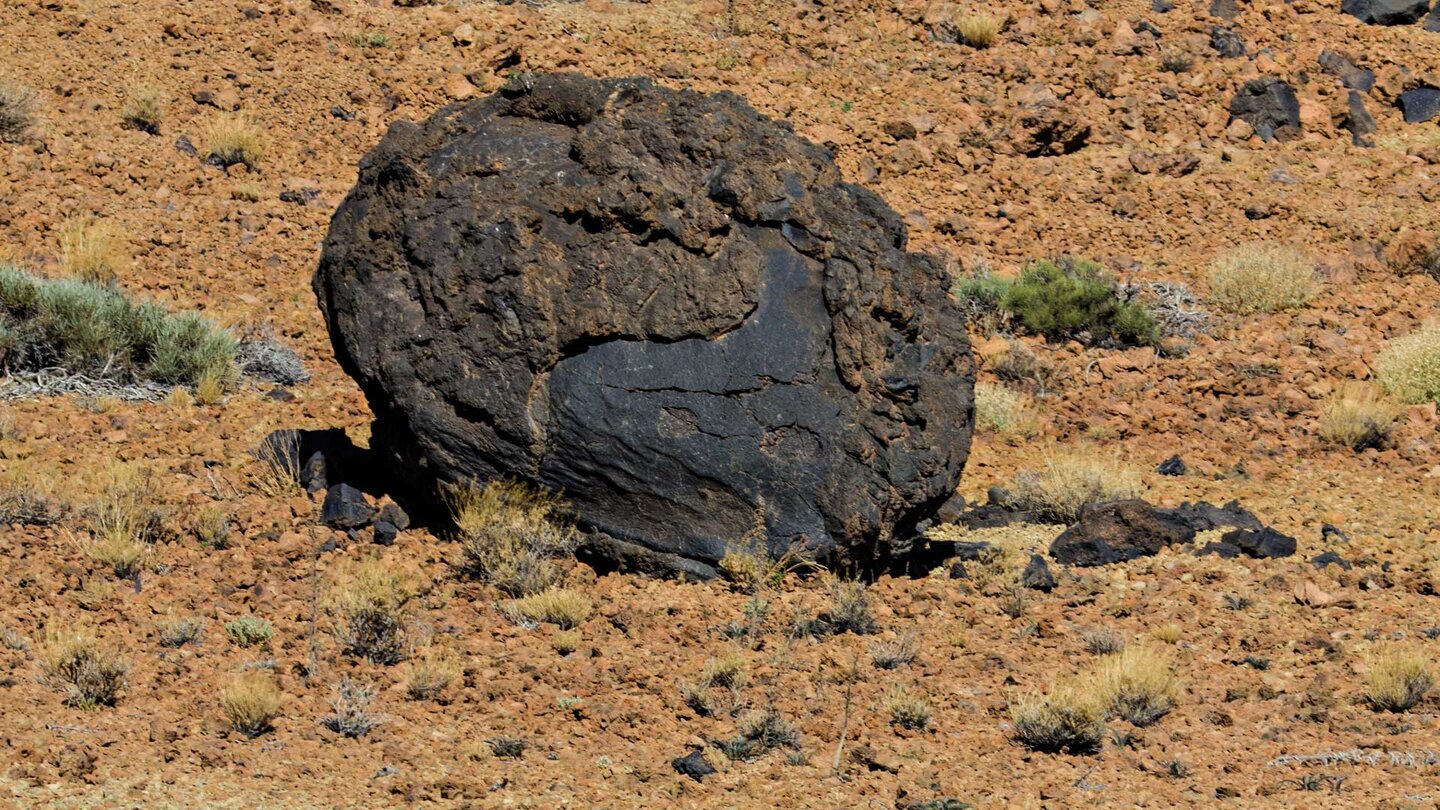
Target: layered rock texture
{"points": [[661, 303]]}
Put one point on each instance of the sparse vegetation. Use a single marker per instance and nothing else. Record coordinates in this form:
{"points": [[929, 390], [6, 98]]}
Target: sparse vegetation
{"points": [[123, 522], [508, 537], [907, 710], [1103, 641], [430, 674], [1005, 413], [562, 607], [47, 323], [507, 747], [1261, 277], [566, 642], [1397, 681], [251, 703], [211, 526], [1069, 719], [350, 713], [761, 732], [718, 689], [17, 111], [1357, 416], [1137, 685], [177, 631], [1072, 479], [232, 138], [978, 30], [1409, 367], [370, 610], [87, 672], [92, 250], [144, 110], [1169, 633], [277, 472], [1074, 298], [849, 607], [249, 631], [895, 652]]}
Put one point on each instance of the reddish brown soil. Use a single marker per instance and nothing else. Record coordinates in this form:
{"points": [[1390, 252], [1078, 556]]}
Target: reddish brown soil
{"points": [[1241, 408]]}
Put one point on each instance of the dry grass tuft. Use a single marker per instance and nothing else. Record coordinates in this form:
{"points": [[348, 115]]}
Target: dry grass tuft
{"points": [[895, 653], [1072, 479], [718, 689], [123, 522], [508, 537], [89, 673], [251, 703], [1070, 718], [233, 138], [1409, 368], [1137, 685], [978, 30], [17, 111], [350, 713], [144, 110], [1006, 413], [566, 642], [277, 474], [562, 607], [431, 673], [249, 631], [849, 606], [1397, 681], [370, 608], [1358, 417], [908, 710], [92, 250], [177, 631], [1261, 277], [1169, 633]]}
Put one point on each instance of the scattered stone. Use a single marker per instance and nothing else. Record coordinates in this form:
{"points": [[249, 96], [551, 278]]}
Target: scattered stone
{"points": [[342, 113], [901, 130], [1353, 77], [1420, 105], [1226, 42], [1162, 6], [1386, 12], [346, 507], [392, 513], [1228, 551], [385, 533], [184, 146], [1119, 531], [1172, 466], [1204, 516], [315, 473], [300, 196], [595, 309], [1270, 106], [1330, 558], [1266, 543], [1144, 162], [1224, 9], [1333, 534], [1259, 211], [1037, 576], [693, 765], [1358, 121]]}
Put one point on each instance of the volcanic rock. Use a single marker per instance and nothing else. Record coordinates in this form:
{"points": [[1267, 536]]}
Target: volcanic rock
{"points": [[1269, 106], [1420, 105], [662, 304], [1386, 12], [1114, 532]]}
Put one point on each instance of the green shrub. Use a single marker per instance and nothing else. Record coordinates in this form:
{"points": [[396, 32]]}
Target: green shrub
{"points": [[249, 631], [1073, 298], [62, 322]]}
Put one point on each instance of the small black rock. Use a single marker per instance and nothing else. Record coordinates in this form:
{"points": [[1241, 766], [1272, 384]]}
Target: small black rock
{"points": [[1224, 9], [392, 513], [343, 114], [315, 474], [693, 765], [1386, 12], [1172, 466], [1228, 551], [1227, 43], [1264, 544], [1361, 125], [1269, 105], [1037, 576], [1333, 534], [346, 507], [1420, 105], [385, 533], [957, 570], [328, 546], [1330, 558], [185, 147], [1162, 6], [1353, 77], [302, 196]]}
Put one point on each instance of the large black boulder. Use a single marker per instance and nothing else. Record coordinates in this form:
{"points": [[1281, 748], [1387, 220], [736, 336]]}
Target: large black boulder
{"points": [[1386, 12], [663, 304], [1270, 106]]}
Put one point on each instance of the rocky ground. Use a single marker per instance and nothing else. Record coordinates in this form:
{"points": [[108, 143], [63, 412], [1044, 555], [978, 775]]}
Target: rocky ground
{"points": [[980, 150]]}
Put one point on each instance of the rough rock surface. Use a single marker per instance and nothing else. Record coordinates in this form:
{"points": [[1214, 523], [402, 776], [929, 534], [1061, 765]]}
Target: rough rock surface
{"points": [[661, 303], [1270, 106], [1386, 12], [1420, 104], [1119, 531]]}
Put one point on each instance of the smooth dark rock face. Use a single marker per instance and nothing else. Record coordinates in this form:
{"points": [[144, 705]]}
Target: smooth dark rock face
{"points": [[346, 507], [1420, 105], [1270, 106], [1037, 576], [1115, 532], [1386, 12], [662, 304], [1350, 75], [1266, 543], [1361, 125]]}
